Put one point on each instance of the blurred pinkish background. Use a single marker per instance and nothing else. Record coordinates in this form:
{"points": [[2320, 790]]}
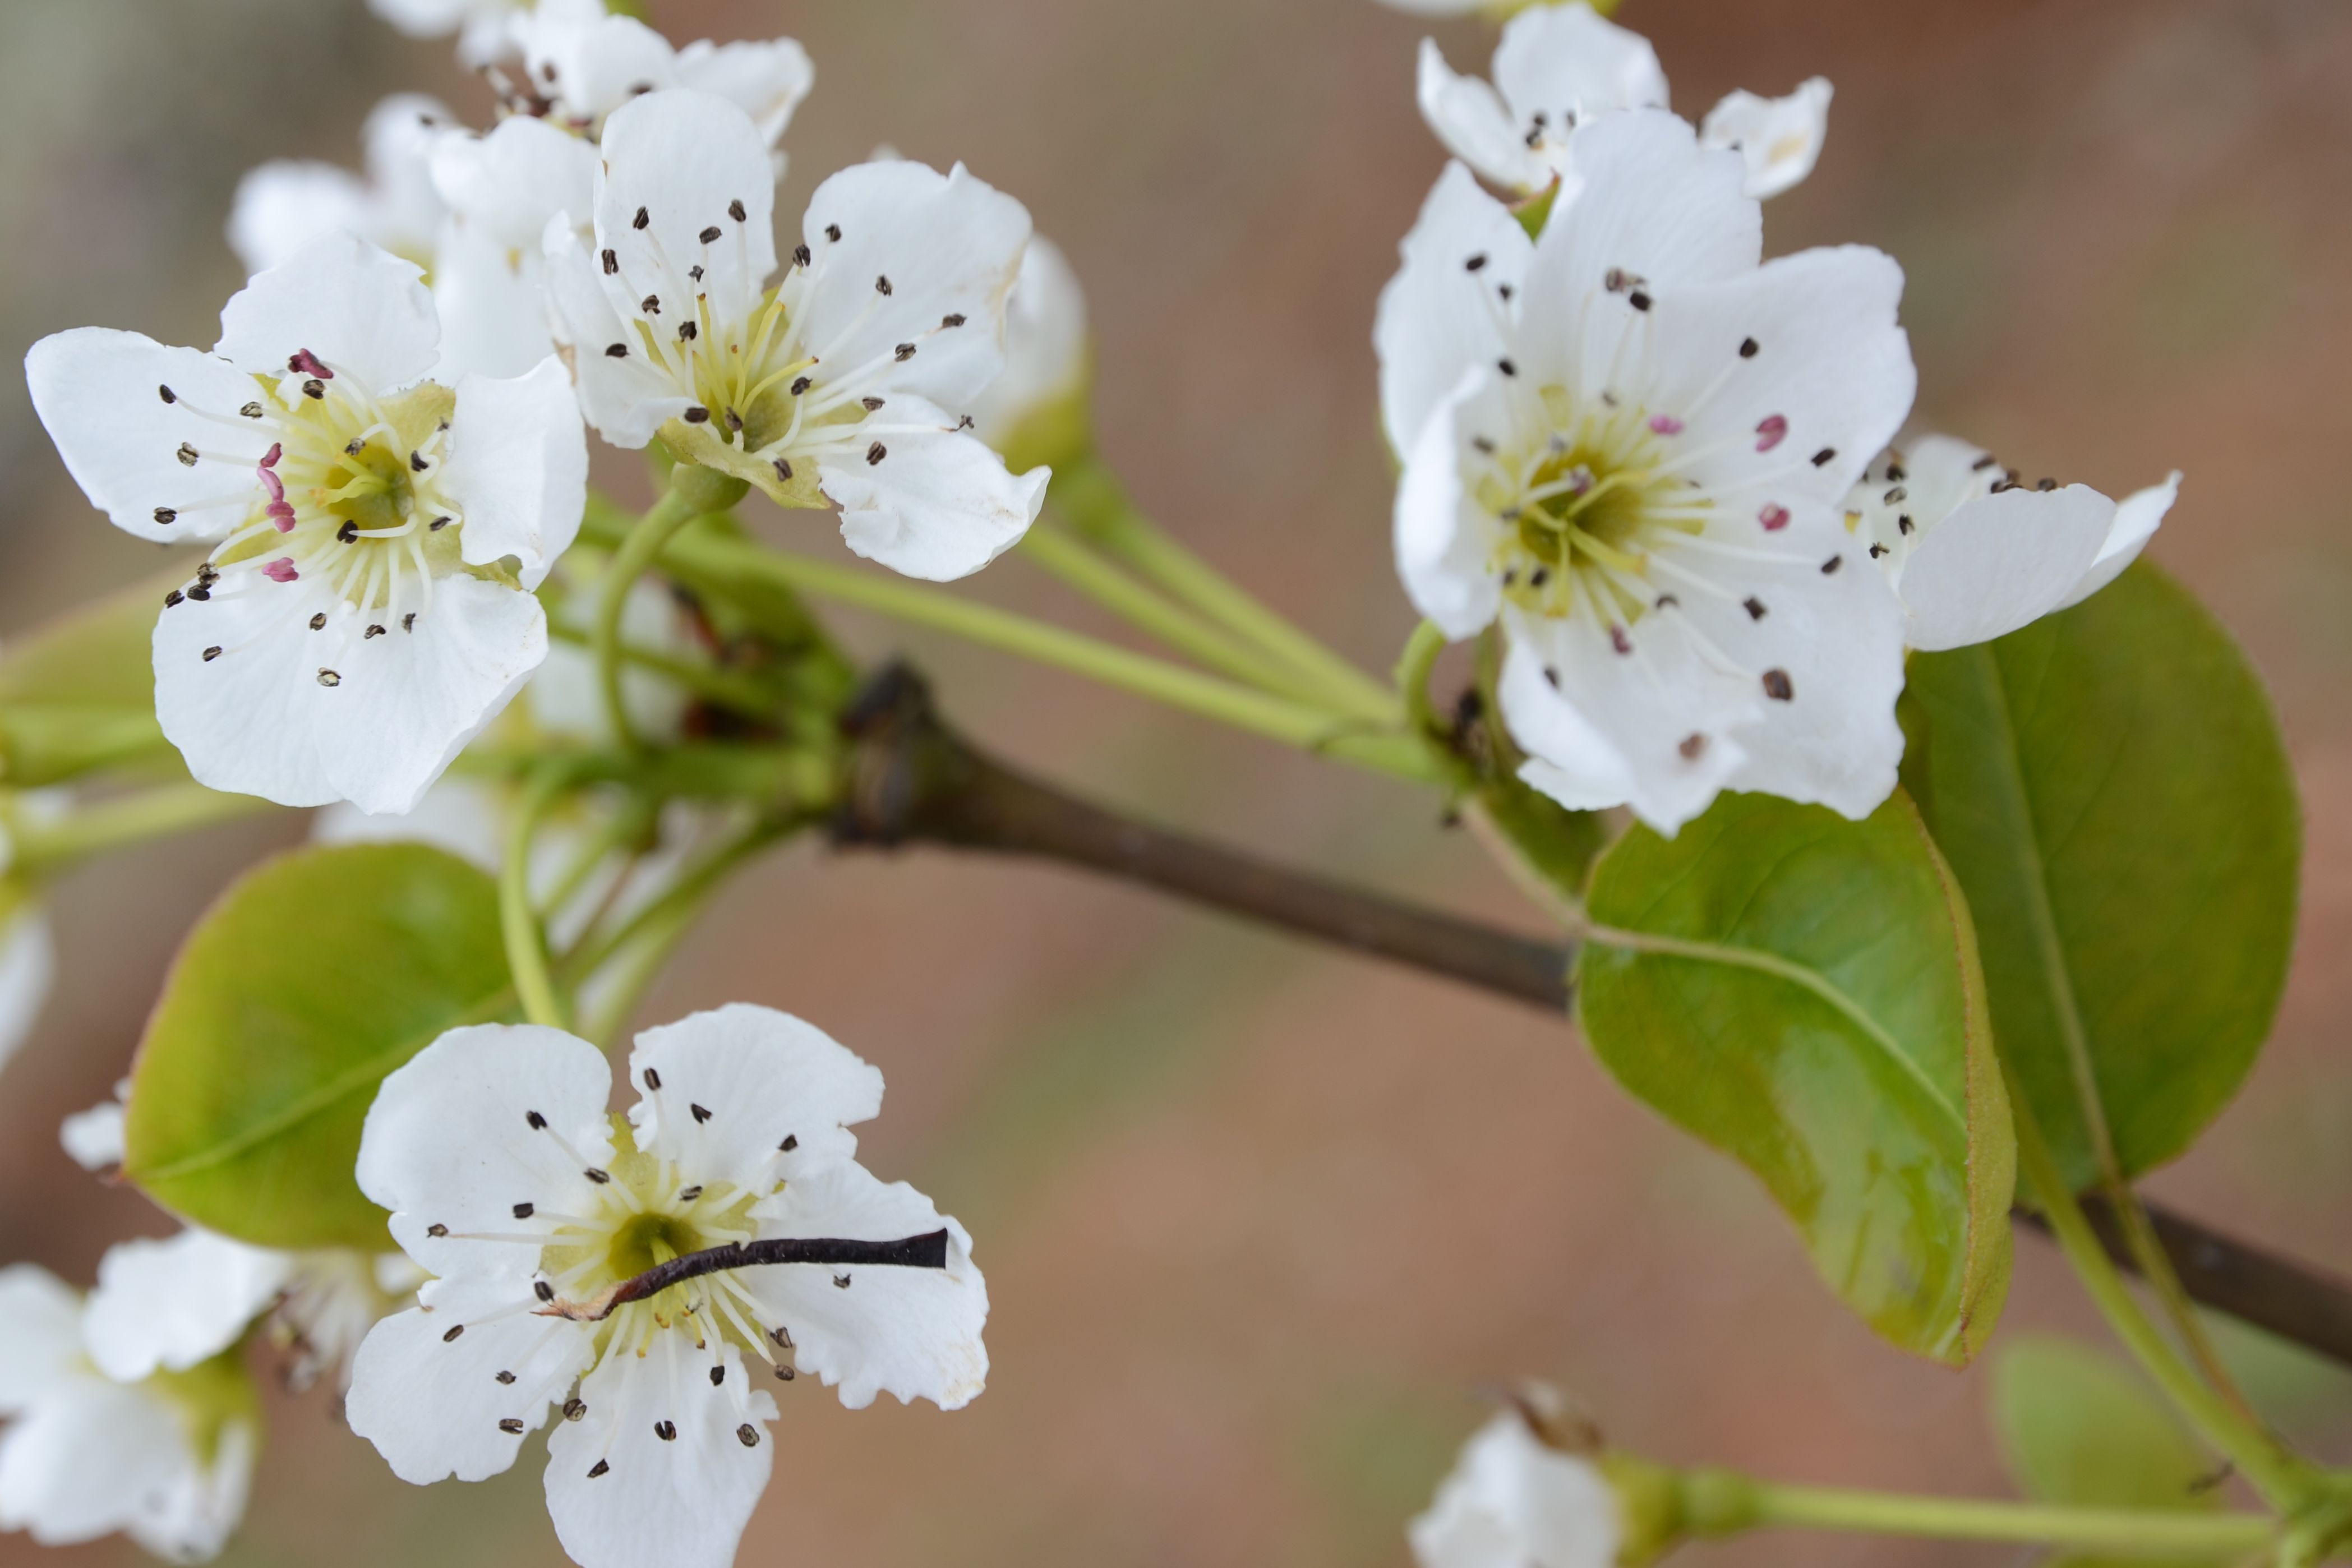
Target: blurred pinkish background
{"points": [[1260, 1221]]}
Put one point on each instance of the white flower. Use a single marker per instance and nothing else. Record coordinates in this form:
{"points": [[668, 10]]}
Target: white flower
{"points": [[481, 25], [1632, 443], [1557, 67], [846, 382], [579, 63], [365, 609], [93, 1139], [167, 1459], [1046, 358], [283, 206], [509, 1181], [174, 1304], [1512, 1502], [1974, 554]]}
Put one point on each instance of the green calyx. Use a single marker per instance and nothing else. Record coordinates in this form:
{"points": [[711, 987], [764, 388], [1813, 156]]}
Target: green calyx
{"points": [[208, 1398]]}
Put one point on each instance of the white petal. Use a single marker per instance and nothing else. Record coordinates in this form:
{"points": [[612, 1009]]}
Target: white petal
{"points": [[2000, 562], [1836, 639], [258, 719], [591, 63], [398, 140], [28, 966], [949, 244], [939, 505], [92, 1138], [452, 1140], [766, 78], [431, 18], [40, 1335], [492, 301], [1440, 315], [1609, 728], [518, 466], [1445, 540], [1829, 385], [432, 1404], [682, 1502], [507, 183], [362, 310], [284, 204], [188, 1514], [738, 1083], [91, 1459], [688, 160], [169, 1304], [913, 1332], [1645, 200], [1476, 126], [99, 392], [2137, 517], [1557, 59], [1046, 345], [1511, 1502], [627, 398], [1778, 139]]}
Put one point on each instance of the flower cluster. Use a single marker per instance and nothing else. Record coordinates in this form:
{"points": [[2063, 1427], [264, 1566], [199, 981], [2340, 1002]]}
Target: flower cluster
{"points": [[1669, 468], [385, 464]]}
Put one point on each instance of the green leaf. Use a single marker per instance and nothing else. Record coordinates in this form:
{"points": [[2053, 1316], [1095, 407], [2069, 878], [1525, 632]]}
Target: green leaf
{"points": [[1802, 993], [315, 974], [2079, 1428], [80, 693], [2111, 788]]}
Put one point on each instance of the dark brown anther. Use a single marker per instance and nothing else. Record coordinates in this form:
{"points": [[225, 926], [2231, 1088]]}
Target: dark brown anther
{"points": [[710, 235], [882, 286], [211, 654], [1778, 687], [875, 453], [642, 219], [616, 351], [612, 262], [698, 414]]}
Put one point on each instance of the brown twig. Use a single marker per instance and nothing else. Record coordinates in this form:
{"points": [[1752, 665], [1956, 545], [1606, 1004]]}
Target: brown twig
{"points": [[913, 780], [929, 1251]]}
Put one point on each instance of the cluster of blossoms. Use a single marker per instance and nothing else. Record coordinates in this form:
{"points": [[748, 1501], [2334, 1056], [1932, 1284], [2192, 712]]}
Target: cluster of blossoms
{"points": [[1674, 471], [385, 460], [1670, 475]]}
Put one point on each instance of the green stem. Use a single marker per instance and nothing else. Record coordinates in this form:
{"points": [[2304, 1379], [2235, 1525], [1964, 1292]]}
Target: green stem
{"points": [[641, 964], [526, 945], [725, 687], [1378, 746], [1078, 565], [2286, 1482], [673, 511], [126, 820], [2122, 1532], [697, 882], [1091, 496], [626, 824], [1412, 671]]}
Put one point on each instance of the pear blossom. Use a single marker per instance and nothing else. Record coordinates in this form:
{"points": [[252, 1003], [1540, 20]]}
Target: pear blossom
{"points": [[847, 381], [366, 607], [171, 1304], [1049, 361], [1557, 67], [1630, 442], [1513, 1501], [579, 62], [501, 190], [1975, 555], [284, 204], [510, 1184], [166, 1459]]}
